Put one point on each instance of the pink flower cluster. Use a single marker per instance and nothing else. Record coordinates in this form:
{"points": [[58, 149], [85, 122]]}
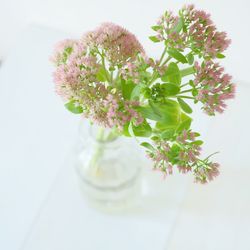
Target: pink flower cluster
{"points": [[62, 50], [70, 78], [160, 157], [130, 71], [200, 34], [183, 151], [189, 151], [203, 170], [121, 113], [214, 87], [118, 44], [75, 69], [166, 31], [78, 63], [203, 32], [207, 172]]}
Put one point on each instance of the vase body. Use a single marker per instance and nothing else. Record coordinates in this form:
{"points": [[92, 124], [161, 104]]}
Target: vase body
{"points": [[108, 168]]}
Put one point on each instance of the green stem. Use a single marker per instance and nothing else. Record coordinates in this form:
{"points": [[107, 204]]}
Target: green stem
{"points": [[167, 60], [183, 85], [155, 75], [99, 149], [162, 55], [105, 70], [183, 96], [111, 77], [186, 91], [187, 71]]}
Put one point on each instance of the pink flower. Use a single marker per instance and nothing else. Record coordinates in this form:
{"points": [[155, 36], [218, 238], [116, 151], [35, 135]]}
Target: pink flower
{"points": [[118, 44], [120, 112], [62, 50], [214, 87], [200, 35], [207, 173]]}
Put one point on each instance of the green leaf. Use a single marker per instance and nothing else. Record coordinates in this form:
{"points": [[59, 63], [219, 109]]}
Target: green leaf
{"points": [[185, 123], [130, 129], [154, 39], [135, 94], [177, 55], [191, 83], [172, 74], [190, 58], [194, 92], [184, 106], [156, 27], [127, 88], [178, 26], [170, 89], [168, 134], [173, 154], [125, 130], [147, 145], [169, 111], [198, 142], [162, 126], [148, 112], [220, 56], [73, 107], [154, 108], [67, 51], [101, 75], [142, 130], [155, 138]]}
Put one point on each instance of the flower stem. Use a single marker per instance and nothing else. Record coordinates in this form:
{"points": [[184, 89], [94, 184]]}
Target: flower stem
{"points": [[187, 71], [102, 138], [162, 55], [167, 60], [187, 97], [186, 91], [185, 84]]}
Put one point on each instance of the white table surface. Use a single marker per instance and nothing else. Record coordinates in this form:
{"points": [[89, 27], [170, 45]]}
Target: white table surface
{"points": [[41, 206]]}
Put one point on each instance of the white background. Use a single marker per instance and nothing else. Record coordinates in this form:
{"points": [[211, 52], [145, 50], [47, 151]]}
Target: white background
{"points": [[40, 206]]}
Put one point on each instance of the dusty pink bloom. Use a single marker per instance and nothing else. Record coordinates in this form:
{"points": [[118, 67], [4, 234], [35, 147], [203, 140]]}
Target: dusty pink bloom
{"points": [[184, 169], [200, 34], [214, 87], [62, 50], [118, 44], [207, 173], [72, 77], [203, 32], [130, 71], [120, 112], [189, 151], [166, 32], [160, 158]]}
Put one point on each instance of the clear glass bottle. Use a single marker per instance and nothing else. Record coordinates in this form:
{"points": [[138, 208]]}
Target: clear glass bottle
{"points": [[108, 168]]}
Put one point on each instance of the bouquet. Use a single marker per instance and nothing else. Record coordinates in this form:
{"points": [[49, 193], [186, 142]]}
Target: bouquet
{"points": [[107, 77]]}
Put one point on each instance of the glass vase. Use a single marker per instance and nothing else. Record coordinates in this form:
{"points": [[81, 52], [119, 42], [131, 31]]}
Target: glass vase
{"points": [[108, 168]]}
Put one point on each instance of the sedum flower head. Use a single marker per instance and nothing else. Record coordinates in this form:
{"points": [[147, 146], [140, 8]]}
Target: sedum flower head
{"points": [[192, 29], [118, 44], [214, 87]]}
